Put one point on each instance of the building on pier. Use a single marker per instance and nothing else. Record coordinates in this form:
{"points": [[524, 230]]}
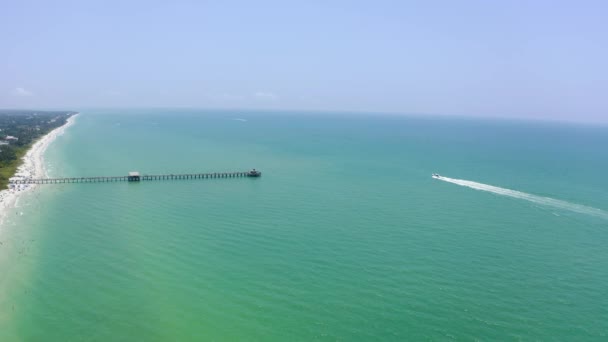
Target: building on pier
{"points": [[134, 176], [254, 173]]}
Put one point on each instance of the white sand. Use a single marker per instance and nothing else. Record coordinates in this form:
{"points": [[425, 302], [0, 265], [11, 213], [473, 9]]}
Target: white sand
{"points": [[32, 167]]}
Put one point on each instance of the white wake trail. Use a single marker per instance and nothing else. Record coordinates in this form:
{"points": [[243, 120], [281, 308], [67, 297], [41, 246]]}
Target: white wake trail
{"points": [[546, 201]]}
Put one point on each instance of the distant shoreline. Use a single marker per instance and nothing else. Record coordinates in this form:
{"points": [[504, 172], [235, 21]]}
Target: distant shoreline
{"points": [[32, 166]]}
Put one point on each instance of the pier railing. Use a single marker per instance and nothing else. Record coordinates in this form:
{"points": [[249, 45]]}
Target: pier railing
{"points": [[136, 178]]}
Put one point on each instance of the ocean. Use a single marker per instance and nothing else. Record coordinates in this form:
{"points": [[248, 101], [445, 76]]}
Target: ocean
{"points": [[344, 237]]}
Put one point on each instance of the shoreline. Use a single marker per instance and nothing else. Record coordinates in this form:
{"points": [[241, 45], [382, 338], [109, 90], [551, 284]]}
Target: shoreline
{"points": [[32, 166]]}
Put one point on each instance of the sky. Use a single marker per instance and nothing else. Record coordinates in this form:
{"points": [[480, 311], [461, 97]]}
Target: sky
{"points": [[522, 59]]}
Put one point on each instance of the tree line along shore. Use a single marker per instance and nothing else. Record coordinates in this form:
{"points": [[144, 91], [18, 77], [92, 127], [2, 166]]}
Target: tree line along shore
{"points": [[19, 130]]}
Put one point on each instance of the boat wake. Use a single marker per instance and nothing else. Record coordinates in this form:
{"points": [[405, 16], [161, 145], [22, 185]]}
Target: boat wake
{"points": [[546, 201]]}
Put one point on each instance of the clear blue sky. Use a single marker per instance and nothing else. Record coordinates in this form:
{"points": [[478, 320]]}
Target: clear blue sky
{"points": [[532, 58]]}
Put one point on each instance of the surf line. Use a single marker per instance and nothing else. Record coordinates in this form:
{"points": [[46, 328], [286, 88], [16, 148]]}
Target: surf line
{"points": [[546, 201]]}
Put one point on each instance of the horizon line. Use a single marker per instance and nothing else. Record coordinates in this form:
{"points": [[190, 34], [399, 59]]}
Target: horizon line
{"points": [[326, 111]]}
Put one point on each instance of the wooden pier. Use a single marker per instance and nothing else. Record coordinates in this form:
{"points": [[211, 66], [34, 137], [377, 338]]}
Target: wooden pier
{"points": [[136, 177]]}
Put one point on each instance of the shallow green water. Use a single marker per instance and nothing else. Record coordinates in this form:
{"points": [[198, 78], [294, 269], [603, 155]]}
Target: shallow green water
{"points": [[344, 237]]}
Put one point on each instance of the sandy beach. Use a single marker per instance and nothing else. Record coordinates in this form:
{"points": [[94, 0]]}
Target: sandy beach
{"points": [[32, 167]]}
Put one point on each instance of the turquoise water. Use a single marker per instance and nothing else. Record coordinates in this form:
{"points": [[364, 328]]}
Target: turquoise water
{"points": [[344, 237]]}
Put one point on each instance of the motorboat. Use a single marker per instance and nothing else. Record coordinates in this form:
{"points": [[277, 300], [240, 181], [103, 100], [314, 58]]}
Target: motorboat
{"points": [[435, 175]]}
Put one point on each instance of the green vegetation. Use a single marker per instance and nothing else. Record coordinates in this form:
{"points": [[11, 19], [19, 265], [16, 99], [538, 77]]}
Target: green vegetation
{"points": [[19, 129]]}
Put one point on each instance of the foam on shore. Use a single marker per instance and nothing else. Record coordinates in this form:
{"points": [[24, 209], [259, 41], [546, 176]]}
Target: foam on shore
{"points": [[32, 167]]}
